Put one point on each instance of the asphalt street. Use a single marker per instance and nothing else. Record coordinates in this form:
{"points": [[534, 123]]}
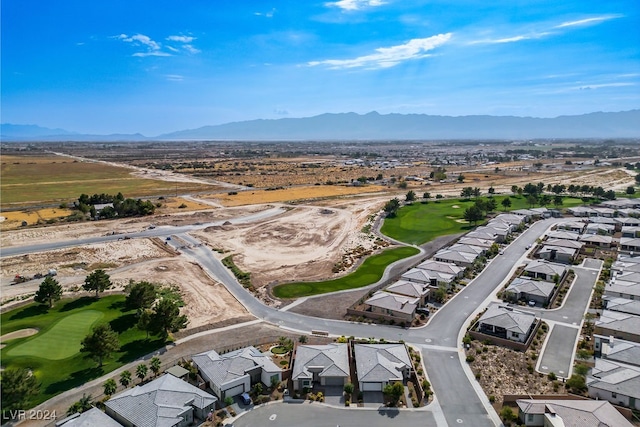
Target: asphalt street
{"points": [[558, 351]]}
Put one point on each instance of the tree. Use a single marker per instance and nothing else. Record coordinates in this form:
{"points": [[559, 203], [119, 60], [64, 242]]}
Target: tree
{"points": [[577, 384], [391, 207], [144, 321], [303, 339], [638, 178], [348, 388], [491, 190], [466, 192], [631, 190], [514, 189], [477, 192], [403, 185], [110, 387], [84, 404], [97, 281], [48, 292], [166, 318], [125, 378], [557, 201], [101, 343], [141, 371], [411, 196], [141, 295], [532, 200], [18, 386], [473, 214], [506, 203], [507, 414], [491, 204], [460, 178], [426, 196], [155, 364], [394, 391]]}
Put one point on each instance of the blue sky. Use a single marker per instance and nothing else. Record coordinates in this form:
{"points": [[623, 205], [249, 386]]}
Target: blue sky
{"points": [[158, 66]]}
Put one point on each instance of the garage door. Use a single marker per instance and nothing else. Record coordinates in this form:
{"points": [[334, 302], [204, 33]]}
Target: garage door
{"points": [[371, 386], [234, 391], [334, 381]]}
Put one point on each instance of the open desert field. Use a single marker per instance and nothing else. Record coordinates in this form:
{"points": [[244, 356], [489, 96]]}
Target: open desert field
{"points": [[34, 180]]}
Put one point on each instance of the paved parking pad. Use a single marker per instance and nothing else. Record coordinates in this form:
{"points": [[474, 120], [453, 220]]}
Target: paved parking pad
{"points": [[559, 351]]}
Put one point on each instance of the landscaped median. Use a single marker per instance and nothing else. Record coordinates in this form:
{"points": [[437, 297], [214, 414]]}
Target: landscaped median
{"points": [[368, 273]]}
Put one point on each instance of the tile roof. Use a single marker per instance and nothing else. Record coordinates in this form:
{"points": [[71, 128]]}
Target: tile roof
{"points": [[621, 351], [545, 267], [618, 321], [563, 235], [159, 403], [381, 362], [417, 275], [558, 249], [474, 241], [531, 287], [222, 368], [454, 256], [332, 358], [443, 267], [576, 413], [91, 418], [624, 305], [393, 302], [564, 243], [615, 377], [508, 318], [409, 289]]}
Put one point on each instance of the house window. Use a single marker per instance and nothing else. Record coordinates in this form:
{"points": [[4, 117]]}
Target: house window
{"points": [[529, 417], [614, 395], [515, 334]]}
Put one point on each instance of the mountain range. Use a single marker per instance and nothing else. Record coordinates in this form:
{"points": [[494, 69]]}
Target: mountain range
{"points": [[373, 126]]}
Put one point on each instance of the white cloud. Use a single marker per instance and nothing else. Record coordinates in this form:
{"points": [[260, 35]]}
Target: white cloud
{"points": [[266, 14], [588, 21], [140, 39], [602, 85], [181, 39], [152, 53], [174, 77], [189, 48], [355, 4], [513, 39], [386, 57]]}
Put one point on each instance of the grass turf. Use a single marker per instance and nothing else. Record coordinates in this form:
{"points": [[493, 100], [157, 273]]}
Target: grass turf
{"points": [[60, 374], [62, 340], [369, 272], [419, 223]]}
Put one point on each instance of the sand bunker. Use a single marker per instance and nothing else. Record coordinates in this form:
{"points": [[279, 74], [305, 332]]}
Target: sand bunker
{"points": [[22, 333]]}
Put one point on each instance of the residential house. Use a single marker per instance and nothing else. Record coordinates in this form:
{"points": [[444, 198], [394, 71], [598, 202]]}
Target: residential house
{"points": [[507, 323], [629, 221], [231, 374], [163, 402], [397, 306], [618, 325], [615, 350], [475, 250], [462, 259], [526, 289], [557, 254], [574, 244], [442, 267], [630, 244], [412, 290], [615, 382], [482, 233], [628, 213], [545, 270], [625, 264], [473, 241], [91, 418], [604, 212], [623, 305], [573, 226], [582, 211], [622, 203], [630, 232], [380, 364], [500, 230], [325, 365], [622, 288], [602, 229], [421, 276], [569, 413], [527, 214], [559, 234], [597, 240]]}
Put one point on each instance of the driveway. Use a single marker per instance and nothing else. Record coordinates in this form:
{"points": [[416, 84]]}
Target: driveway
{"points": [[558, 351]]}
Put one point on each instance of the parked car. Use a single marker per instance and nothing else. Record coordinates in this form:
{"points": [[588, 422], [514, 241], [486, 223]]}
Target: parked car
{"points": [[246, 399], [423, 310], [532, 303]]}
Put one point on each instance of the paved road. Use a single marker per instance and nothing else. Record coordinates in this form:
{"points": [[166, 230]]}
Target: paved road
{"points": [[558, 351]]}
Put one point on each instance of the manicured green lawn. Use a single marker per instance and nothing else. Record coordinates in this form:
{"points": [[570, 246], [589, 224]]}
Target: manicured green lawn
{"points": [[369, 272], [53, 353], [62, 340], [419, 223]]}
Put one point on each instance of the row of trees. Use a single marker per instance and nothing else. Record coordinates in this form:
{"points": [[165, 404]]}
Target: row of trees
{"points": [[50, 289], [531, 189], [121, 207]]}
